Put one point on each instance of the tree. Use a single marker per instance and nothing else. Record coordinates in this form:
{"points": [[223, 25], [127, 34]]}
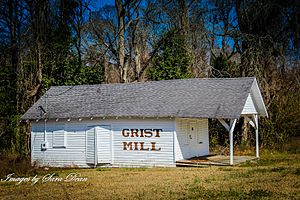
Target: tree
{"points": [[267, 34], [36, 44], [172, 61]]}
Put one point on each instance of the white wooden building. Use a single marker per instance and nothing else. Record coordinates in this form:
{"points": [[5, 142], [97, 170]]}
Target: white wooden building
{"points": [[138, 124]]}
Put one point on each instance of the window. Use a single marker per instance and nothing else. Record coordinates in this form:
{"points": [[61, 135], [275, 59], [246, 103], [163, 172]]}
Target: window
{"points": [[59, 136]]}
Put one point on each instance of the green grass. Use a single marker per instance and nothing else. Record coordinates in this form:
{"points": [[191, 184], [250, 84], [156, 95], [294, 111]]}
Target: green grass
{"points": [[274, 176]]}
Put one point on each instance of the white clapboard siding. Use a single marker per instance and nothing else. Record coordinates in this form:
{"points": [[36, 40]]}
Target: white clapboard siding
{"points": [[80, 134], [91, 145], [59, 136], [163, 157], [191, 138], [104, 143], [37, 137], [74, 154], [249, 107], [90, 142]]}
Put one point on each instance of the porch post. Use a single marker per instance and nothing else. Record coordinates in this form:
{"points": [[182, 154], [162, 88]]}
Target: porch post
{"points": [[231, 140], [256, 136]]}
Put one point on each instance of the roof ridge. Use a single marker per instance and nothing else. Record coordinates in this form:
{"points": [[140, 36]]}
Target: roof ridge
{"points": [[169, 80]]}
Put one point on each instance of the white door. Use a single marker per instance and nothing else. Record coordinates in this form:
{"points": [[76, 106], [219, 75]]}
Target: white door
{"points": [[192, 133], [103, 143], [91, 146]]}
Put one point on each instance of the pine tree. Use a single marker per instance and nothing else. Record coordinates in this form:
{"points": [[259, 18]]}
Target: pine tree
{"points": [[172, 61]]}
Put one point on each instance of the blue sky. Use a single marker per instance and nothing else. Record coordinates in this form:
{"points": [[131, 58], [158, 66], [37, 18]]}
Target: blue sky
{"points": [[103, 2]]}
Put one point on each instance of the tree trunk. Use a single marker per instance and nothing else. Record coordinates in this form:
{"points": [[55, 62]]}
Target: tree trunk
{"points": [[137, 60], [184, 18], [245, 140], [121, 40], [14, 43], [39, 25]]}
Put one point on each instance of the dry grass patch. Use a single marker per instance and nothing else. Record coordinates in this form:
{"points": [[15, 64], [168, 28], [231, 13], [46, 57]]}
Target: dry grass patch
{"points": [[276, 175]]}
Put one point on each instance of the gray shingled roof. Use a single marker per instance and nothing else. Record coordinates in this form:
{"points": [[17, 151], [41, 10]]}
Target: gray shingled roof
{"points": [[194, 98]]}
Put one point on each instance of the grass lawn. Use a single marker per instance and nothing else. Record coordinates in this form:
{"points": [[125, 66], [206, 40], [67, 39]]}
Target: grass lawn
{"points": [[274, 176]]}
